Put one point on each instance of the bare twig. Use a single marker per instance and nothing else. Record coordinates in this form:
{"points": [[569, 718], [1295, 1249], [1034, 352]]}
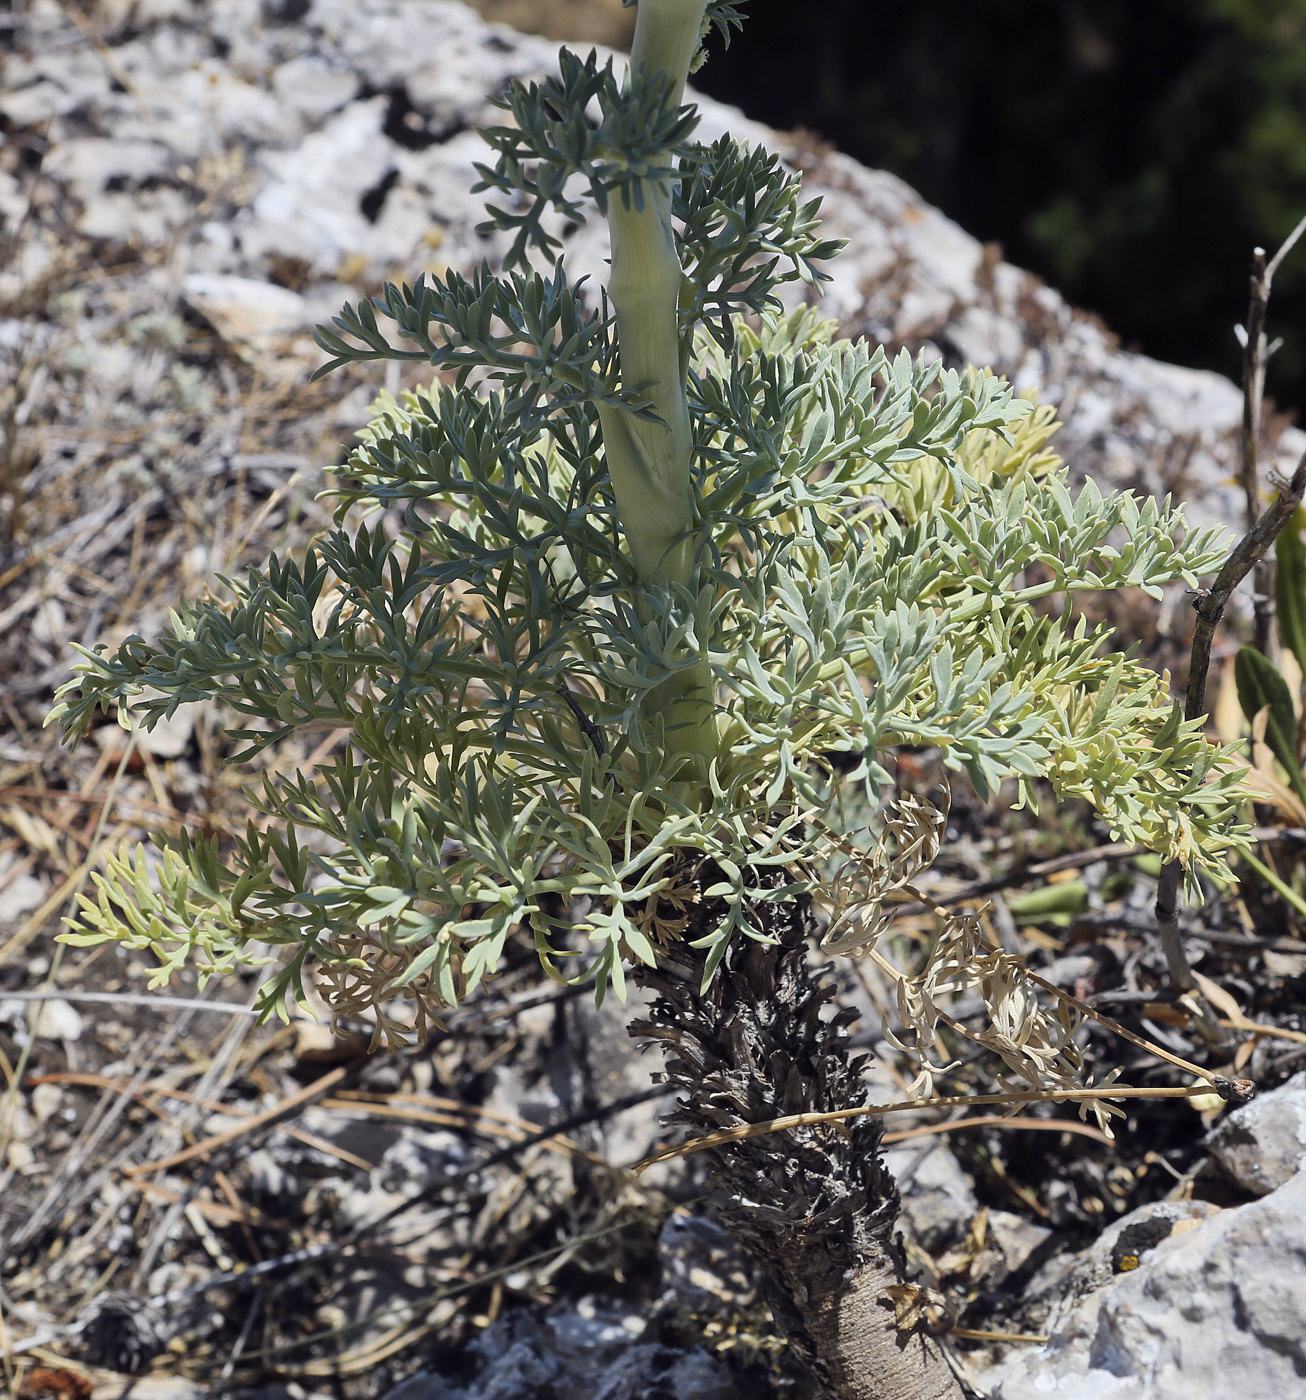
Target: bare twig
{"points": [[1285, 249], [1027, 874], [588, 728], [1210, 603], [292, 1104], [971, 1335], [1209, 606], [1256, 356], [1117, 1029], [1259, 1028], [149, 1094], [993, 1120], [1263, 529]]}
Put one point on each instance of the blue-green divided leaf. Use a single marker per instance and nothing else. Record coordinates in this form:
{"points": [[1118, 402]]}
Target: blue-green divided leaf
{"points": [[1260, 685], [1290, 586]]}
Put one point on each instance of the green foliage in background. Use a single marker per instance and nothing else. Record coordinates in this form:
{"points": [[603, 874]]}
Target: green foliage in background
{"points": [[639, 581]]}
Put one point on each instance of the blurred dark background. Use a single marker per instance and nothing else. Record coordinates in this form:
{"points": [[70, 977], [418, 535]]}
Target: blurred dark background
{"points": [[1131, 152]]}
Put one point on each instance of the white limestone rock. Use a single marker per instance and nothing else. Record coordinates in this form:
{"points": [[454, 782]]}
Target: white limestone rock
{"points": [[1219, 1309], [245, 309], [1261, 1145]]}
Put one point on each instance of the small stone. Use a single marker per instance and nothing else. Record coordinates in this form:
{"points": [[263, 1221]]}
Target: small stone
{"points": [[314, 87], [46, 1100], [1065, 1278], [244, 309], [88, 164], [937, 1197], [316, 1043], [170, 738], [1262, 1145], [704, 1265], [20, 1157], [19, 897], [1015, 1237], [58, 1020], [268, 1175], [584, 1358]]}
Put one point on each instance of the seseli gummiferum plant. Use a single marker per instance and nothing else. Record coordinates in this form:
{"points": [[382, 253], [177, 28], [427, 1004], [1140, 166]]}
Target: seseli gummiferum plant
{"points": [[623, 614]]}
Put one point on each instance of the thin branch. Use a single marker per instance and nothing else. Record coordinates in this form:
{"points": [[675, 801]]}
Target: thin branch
{"points": [[1283, 252], [1209, 606], [1210, 602], [1122, 1031], [291, 1105], [1251, 553], [1259, 1028], [993, 1120], [588, 728], [1256, 356], [971, 1335]]}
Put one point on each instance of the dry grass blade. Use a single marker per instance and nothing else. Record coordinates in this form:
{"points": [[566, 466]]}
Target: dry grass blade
{"points": [[1273, 1032], [746, 1131], [353, 1363], [221, 1008], [292, 1104], [210, 1210], [990, 1120], [150, 1094], [430, 1108], [970, 1334]]}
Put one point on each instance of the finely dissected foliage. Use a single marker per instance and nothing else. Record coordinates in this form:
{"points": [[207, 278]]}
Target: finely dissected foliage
{"points": [[551, 720]]}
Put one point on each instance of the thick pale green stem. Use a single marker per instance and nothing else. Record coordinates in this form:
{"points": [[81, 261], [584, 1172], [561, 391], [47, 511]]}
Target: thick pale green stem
{"points": [[650, 462]]}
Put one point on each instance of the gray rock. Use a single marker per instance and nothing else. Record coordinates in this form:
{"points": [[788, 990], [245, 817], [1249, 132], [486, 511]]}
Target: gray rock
{"points": [[1015, 1238], [912, 276], [589, 1354], [1218, 1310], [56, 1019], [937, 1198], [1262, 1145], [1068, 1277], [408, 1160], [703, 1265]]}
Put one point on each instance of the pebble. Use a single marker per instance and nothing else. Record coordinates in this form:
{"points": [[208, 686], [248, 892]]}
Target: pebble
{"points": [[244, 309], [937, 1197], [58, 1020], [1261, 1145]]}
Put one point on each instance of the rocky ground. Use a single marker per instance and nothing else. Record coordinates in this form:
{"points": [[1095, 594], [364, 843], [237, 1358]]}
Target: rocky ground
{"points": [[216, 1208]]}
